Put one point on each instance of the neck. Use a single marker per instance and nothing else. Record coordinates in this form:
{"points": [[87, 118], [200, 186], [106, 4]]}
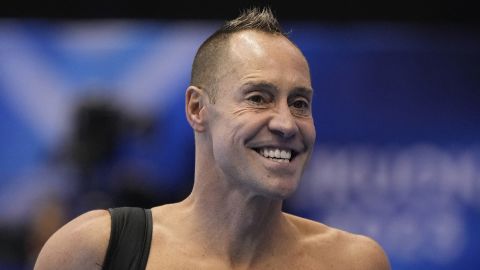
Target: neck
{"points": [[231, 223]]}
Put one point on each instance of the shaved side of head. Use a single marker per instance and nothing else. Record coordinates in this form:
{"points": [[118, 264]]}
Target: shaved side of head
{"points": [[213, 52]]}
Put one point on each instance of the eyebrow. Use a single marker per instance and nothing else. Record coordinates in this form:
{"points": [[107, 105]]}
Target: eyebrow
{"points": [[269, 86], [308, 92]]}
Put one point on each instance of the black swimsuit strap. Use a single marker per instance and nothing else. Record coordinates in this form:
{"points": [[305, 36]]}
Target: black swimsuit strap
{"points": [[130, 239]]}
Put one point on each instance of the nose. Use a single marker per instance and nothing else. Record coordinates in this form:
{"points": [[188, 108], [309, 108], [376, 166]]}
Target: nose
{"points": [[282, 122]]}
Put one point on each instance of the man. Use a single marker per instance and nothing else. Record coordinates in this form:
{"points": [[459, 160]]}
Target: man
{"points": [[249, 104]]}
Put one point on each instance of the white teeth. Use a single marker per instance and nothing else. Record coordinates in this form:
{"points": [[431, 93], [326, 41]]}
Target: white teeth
{"points": [[276, 154], [285, 154]]}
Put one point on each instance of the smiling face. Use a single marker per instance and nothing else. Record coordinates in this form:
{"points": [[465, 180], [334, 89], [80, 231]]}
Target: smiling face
{"points": [[261, 127]]}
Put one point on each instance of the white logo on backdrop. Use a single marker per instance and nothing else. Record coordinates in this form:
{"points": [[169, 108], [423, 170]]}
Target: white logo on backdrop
{"points": [[408, 198]]}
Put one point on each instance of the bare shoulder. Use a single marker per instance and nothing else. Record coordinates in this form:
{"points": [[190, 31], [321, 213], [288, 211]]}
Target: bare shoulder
{"points": [[343, 249], [79, 244], [365, 252]]}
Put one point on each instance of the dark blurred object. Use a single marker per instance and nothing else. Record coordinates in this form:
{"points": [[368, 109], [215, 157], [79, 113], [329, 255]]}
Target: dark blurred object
{"points": [[128, 191], [98, 125], [12, 246], [98, 128]]}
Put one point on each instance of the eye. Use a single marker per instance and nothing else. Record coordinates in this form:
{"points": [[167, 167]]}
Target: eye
{"points": [[300, 104], [257, 99]]}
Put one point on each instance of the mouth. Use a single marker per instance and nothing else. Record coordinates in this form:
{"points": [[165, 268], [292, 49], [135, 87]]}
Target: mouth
{"points": [[277, 154]]}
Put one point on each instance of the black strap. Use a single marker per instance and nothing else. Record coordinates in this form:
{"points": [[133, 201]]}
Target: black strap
{"points": [[130, 239]]}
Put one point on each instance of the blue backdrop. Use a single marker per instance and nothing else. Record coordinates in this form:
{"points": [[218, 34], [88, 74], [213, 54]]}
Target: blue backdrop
{"points": [[396, 107]]}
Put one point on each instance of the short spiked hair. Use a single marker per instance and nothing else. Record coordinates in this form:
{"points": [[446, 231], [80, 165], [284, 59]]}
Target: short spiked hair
{"points": [[214, 49]]}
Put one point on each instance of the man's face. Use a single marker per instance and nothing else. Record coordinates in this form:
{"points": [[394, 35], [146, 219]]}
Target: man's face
{"points": [[261, 127]]}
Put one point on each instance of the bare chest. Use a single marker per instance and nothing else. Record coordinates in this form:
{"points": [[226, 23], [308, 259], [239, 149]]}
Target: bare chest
{"points": [[162, 257]]}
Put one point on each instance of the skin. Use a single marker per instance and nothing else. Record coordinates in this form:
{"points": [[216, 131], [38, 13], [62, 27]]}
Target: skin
{"points": [[233, 218]]}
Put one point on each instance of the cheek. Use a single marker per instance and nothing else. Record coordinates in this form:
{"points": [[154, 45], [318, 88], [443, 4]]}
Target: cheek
{"points": [[226, 136], [307, 128], [239, 127]]}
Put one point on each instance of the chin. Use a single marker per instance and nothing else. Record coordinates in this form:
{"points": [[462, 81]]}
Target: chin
{"points": [[280, 190]]}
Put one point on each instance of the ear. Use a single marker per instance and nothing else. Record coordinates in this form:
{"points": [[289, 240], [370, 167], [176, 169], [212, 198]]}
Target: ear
{"points": [[195, 101]]}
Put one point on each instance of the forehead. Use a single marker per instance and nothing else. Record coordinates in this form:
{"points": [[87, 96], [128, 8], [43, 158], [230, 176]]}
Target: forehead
{"points": [[254, 55]]}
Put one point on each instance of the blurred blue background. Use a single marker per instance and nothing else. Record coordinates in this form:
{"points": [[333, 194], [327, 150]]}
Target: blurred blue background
{"points": [[92, 116]]}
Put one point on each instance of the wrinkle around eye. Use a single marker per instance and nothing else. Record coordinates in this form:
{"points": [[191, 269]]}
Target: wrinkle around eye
{"points": [[248, 109], [301, 113]]}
